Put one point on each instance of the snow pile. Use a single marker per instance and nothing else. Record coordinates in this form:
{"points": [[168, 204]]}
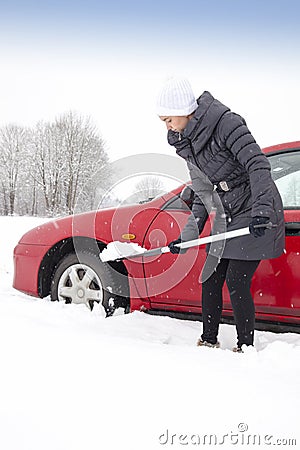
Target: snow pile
{"points": [[73, 380], [116, 250]]}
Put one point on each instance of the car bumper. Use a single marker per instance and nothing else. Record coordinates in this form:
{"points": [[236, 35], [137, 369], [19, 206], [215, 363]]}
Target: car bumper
{"points": [[27, 260]]}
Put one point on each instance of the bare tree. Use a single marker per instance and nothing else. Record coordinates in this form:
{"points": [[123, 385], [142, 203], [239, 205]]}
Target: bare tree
{"points": [[13, 149], [68, 154], [85, 155], [48, 168], [53, 168], [147, 188]]}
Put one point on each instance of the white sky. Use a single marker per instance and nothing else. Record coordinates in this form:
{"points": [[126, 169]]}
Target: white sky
{"points": [[115, 82]]}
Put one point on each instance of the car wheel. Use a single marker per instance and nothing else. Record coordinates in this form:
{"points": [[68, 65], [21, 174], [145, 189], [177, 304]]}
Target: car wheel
{"points": [[83, 279]]}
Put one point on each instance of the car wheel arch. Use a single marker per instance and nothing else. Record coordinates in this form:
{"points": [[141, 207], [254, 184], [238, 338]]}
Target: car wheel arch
{"points": [[68, 246]]}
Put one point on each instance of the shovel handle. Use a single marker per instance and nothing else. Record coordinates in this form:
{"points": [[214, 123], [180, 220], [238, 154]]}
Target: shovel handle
{"points": [[268, 225], [196, 242]]}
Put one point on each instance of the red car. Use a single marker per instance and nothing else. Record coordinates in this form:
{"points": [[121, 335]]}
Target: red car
{"points": [[61, 257]]}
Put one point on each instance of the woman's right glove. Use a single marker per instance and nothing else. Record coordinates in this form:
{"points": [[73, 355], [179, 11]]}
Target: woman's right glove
{"points": [[258, 220], [176, 250]]}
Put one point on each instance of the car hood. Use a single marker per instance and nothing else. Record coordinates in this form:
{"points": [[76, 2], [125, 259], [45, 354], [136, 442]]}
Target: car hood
{"points": [[94, 224]]}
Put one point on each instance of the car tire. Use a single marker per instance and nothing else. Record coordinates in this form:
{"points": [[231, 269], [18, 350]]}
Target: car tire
{"points": [[82, 278]]}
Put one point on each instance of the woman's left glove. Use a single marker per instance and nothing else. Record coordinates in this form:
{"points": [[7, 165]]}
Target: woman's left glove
{"points": [[174, 249], [258, 220]]}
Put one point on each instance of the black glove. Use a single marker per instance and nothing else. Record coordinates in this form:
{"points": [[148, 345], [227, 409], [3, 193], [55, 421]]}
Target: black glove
{"points": [[258, 220], [175, 250]]}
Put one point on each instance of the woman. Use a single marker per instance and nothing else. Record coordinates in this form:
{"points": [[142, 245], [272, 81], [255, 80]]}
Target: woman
{"points": [[230, 173]]}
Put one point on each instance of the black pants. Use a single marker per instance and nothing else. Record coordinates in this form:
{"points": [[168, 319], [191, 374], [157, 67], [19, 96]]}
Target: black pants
{"points": [[238, 275]]}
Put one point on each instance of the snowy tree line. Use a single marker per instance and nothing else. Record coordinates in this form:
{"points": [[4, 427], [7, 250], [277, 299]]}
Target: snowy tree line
{"points": [[147, 188], [53, 168]]}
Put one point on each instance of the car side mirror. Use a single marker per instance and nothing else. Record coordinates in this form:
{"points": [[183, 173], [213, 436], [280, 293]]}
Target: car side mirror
{"points": [[187, 196]]}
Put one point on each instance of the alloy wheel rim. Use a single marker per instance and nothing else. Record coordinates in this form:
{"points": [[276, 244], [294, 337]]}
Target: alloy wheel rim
{"points": [[80, 284]]}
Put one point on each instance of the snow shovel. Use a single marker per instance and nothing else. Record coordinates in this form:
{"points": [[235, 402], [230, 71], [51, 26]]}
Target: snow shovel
{"points": [[189, 244]]}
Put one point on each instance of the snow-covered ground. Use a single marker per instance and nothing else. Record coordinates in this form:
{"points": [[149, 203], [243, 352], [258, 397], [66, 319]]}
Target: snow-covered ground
{"points": [[72, 380]]}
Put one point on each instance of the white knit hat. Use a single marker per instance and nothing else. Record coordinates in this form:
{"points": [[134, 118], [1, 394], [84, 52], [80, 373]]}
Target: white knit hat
{"points": [[176, 98]]}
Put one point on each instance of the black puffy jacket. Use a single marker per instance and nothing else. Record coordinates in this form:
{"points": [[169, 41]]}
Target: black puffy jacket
{"points": [[230, 173]]}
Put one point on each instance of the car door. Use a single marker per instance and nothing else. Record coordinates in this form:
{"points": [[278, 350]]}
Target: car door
{"points": [[276, 284], [173, 279]]}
